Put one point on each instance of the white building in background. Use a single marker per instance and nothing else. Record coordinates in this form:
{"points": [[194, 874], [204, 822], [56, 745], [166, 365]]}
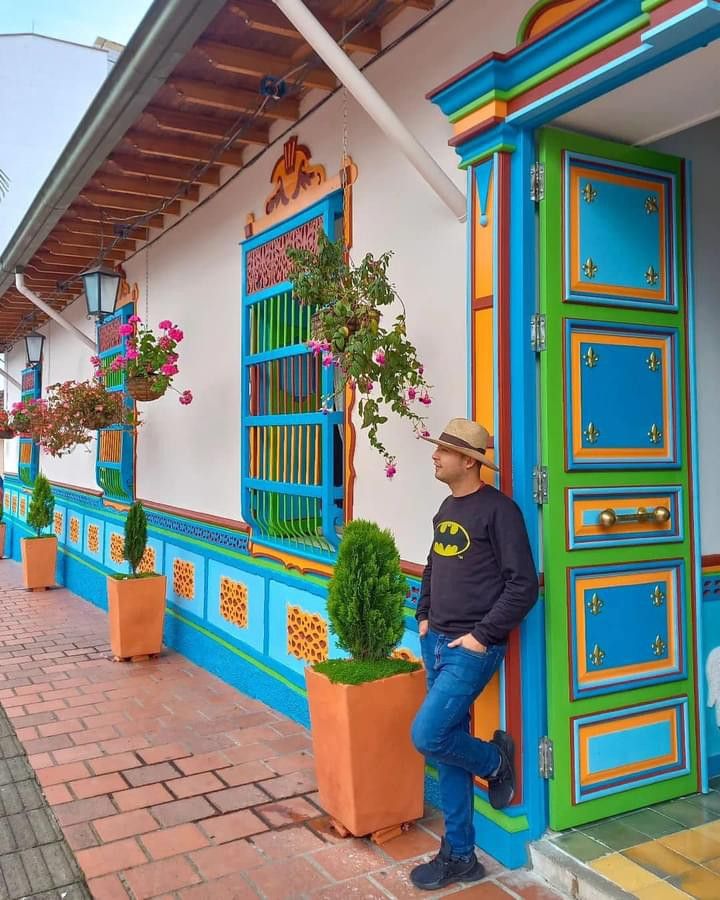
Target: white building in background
{"points": [[45, 87]]}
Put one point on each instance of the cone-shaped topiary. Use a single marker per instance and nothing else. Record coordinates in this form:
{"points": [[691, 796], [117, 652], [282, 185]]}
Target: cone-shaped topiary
{"points": [[42, 505], [135, 536], [367, 592]]}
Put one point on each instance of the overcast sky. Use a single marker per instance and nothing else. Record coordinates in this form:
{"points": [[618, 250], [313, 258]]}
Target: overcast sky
{"points": [[80, 21]]}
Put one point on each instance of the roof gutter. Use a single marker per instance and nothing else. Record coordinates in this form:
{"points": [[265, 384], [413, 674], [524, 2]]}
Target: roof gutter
{"points": [[166, 33]]}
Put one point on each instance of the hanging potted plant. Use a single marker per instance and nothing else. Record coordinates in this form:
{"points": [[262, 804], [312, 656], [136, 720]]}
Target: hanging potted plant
{"points": [[348, 332], [39, 553], [6, 431], [370, 777], [136, 602], [75, 410], [27, 418], [150, 360]]}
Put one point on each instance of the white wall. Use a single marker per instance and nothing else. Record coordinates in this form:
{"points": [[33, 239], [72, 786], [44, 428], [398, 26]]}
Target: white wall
{"points": [[189, 457], [46, 86], [700, 146]]}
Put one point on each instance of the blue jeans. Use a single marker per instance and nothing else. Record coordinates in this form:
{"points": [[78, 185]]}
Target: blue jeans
{"points": [[441, 730]]}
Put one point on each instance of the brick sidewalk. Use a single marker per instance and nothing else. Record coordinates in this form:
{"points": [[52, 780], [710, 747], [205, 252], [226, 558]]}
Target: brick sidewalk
{"points": [[169, 783]]}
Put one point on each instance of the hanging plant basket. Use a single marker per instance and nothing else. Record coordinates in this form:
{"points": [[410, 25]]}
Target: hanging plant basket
{"points": [[145, 388], [7, 434]]}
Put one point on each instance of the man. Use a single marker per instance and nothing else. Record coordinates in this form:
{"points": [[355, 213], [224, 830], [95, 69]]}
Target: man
{"points": [[479, 583]]}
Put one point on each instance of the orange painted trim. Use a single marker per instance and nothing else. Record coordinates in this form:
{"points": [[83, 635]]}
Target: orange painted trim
{"points": [[600, 287], [495, 109], [583, 586], [410, 568], [597, 729], [291, 560], [580, 452]]}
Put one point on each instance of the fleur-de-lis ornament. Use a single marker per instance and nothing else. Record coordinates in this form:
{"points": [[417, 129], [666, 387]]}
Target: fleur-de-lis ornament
{"points": [[589, 268], [651, 204], [589, 193], [591, 358], [651, 276]]}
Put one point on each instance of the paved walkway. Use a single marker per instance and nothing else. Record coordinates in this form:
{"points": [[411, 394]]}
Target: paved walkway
{"points": [[168, 783]]}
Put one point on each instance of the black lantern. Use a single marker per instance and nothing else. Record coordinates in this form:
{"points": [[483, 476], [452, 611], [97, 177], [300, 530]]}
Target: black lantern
{"points": [[102, 286], [34, 348]]}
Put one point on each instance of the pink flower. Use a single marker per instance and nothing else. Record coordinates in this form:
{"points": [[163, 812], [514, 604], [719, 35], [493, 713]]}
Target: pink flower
{"points": [[412, 393], [421, 369], [132, 353], [169, 369], [425, 399], [425, 434], [328, 359], [127, 329], [380, 359], [164, 343], [133, 320], [176, 335], [95, 360], [391, 469], [99, 373], [18, 407], [172, 357], [186, 398], [165, 324]]}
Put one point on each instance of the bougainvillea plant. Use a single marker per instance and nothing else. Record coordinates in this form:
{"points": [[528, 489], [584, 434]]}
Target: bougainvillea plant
{"points": [[150, 355], [27, 417], [349, 334]]}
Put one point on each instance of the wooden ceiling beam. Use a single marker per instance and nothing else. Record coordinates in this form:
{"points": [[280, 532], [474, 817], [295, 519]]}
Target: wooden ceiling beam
{"points": [[163, 168], [206, 93], [92, 214], [64, 251], [181, 149], [76, 225], [144, 187], [257, 63], [129, 202], [68, 238], [270, 20], [206, 126]]}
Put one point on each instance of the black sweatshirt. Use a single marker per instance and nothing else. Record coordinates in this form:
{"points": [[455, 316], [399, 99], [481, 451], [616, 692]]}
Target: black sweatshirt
{"points": [[480, 576]]}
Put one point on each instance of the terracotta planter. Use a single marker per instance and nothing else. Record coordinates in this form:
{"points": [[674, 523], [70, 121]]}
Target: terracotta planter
{"points": [[144, 389], [7, 434], [370, 776], [38, 560], [136, 610], [3, 530]]}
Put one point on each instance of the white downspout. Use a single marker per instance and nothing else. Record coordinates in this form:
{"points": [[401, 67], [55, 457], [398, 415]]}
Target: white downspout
{"points": [[9, 377], [375, 106], [49, 311]]}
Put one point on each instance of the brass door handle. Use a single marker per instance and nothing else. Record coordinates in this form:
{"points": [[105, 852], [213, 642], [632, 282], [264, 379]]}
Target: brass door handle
{"points": [[659, 516]]}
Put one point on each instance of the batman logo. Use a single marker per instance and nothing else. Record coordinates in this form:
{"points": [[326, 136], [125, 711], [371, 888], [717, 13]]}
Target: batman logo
{"points": [[451, 539]]}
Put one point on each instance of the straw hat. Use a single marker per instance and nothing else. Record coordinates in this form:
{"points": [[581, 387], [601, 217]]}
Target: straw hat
{"points": [[466, 437]]}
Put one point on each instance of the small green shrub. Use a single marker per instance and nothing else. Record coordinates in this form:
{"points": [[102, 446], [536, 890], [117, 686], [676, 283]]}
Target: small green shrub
{"points": [[367, 593], [42, 505], [135, 536]]}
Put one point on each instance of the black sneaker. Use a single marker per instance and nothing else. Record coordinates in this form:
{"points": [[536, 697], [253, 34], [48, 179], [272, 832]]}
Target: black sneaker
{"points": [[444, 870], [501, 787]]}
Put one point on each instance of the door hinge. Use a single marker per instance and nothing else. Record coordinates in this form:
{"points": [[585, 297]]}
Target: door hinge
{"points": [[540, 484], [546, 758], [537, 332], [537, 182]]}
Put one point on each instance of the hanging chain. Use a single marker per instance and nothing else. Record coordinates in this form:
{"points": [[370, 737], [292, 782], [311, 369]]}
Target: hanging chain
{"points": [[147, 285]]}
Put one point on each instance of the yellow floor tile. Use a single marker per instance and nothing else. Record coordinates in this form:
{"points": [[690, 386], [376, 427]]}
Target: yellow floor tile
{"points": [[700, 883], [713, 864], [694, 843], [711, 829], [662, 891], [659, 859], [624, 872]]}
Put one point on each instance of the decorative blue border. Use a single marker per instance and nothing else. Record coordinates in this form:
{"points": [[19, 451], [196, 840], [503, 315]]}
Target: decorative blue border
{"points": [[616, 683], [650, 776], [668, 182], [605, 497], [598, 462]]}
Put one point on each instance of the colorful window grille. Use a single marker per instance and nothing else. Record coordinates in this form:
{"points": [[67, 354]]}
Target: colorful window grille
{"points": [[28, 450], [116, 450], [292, 465]]}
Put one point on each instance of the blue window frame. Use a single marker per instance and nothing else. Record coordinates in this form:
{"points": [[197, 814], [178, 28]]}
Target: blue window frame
{"points": [[29, 450], [292, 450]]}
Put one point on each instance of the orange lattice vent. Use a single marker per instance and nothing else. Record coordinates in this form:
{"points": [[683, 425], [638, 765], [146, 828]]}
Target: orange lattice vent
{"points": [[307, 635], [58, 523], [147, 563], [93, 538], [234, 602], [117, 548], [184, 579], [74, 529]]}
